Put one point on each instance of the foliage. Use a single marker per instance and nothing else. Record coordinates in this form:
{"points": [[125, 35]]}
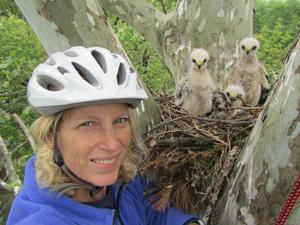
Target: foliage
{"points": [[275, 25], [166, 6], [9, 7], [275, 46], [18, 56]]}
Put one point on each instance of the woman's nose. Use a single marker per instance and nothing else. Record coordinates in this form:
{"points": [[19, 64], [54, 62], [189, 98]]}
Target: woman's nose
{"points": [[108, 140]]}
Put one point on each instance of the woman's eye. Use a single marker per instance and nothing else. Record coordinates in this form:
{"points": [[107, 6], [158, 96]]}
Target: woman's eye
{"points": [[121, 120], [87, 124]]}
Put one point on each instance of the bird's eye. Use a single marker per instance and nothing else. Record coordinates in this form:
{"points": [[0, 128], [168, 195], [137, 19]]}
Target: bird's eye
{"points": [[228, 94], [254, 47], [204, 61], [193, 60], [243, 47]]}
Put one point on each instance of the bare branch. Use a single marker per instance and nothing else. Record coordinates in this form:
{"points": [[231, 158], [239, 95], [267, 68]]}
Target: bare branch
{"points": [[19, 146], [24, 128], [26, 131], [6, 161]]}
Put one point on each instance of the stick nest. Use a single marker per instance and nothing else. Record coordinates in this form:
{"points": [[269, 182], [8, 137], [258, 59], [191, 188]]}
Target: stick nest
{"points": [[190, 158]]}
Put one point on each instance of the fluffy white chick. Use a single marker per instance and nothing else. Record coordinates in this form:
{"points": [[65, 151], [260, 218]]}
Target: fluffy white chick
{"points": [[249, 72], [194, 92], [235, 95]]}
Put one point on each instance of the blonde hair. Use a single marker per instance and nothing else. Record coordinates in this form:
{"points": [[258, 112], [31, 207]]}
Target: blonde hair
{"points": [[49, 174]]}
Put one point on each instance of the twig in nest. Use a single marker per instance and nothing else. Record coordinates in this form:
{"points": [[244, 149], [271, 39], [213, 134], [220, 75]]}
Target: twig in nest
{"points": [[208, 134]]}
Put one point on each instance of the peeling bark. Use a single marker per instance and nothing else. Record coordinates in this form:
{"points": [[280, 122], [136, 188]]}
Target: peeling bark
{"points": [[270, 161], [62, 24]]}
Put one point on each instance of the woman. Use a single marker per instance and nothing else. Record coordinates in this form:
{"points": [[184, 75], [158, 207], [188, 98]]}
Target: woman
{"points": [[85, 170]]}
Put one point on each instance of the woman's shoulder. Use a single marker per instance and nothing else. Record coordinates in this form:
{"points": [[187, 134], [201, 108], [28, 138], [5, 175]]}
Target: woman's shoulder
{"points": [[139, 182], [45, 216], [136, 188]]}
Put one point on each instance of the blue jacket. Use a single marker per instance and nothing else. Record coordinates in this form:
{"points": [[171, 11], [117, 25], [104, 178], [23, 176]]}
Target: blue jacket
{"points": [[35, 206]]}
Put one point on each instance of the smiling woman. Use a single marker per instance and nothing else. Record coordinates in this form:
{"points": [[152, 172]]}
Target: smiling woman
{"points": [[93, 142], [85, 171]]}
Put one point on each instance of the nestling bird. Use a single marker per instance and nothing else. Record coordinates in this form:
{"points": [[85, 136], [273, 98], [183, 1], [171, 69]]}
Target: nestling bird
{"points": [[249, 72], [194, 92], [235, 95]]}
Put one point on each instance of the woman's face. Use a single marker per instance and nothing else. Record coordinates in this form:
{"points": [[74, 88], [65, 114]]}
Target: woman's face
{"points": [[94, 140]]}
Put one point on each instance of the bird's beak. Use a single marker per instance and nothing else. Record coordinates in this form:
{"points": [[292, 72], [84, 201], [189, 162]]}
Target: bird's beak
{"points": [[199, 64], [248, 51]]}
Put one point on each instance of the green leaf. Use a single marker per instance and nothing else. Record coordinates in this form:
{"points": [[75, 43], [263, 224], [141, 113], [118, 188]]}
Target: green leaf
{"points": [[3, 66]]}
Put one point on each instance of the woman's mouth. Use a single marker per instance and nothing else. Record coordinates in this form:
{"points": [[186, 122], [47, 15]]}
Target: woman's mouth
{"points": [[108, 163], [104, 161]]}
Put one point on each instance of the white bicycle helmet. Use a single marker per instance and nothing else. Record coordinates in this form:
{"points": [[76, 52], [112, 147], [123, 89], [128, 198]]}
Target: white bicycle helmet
{"points": [[81, 76]]}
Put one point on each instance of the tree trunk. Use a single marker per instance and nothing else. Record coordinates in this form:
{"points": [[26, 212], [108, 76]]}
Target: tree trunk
{"points": [[269, 163], [62, 24], [215, 25]]}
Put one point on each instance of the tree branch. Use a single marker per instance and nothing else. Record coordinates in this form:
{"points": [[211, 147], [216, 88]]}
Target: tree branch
{"points": [[24, 128], [18, 119], [6, 160], [201, 143]]}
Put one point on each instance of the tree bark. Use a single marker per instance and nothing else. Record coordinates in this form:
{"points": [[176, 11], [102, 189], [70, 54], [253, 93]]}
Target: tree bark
{"points": [[214, 25], [269, 163], [62, 24], [7, 164]]}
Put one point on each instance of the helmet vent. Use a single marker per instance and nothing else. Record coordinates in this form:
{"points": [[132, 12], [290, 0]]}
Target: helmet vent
{"points": [[49, 83], [85, 74], [100, 60], [121, 75], [62, 70], [131, 70]]}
